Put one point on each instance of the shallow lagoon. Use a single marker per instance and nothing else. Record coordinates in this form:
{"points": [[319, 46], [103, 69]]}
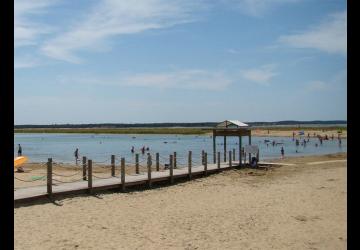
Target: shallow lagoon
{"points": [[99, 147]]}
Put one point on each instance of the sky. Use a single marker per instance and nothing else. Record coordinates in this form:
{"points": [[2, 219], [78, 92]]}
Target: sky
{"points": [[149, 61]]}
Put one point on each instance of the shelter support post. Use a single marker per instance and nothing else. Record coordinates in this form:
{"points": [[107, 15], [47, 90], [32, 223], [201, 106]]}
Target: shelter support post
{"points": [[240, 154], [225, 148], [214, 147]]}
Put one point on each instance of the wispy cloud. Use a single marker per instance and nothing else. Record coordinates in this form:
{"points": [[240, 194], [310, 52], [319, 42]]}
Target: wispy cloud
{"points": [[261, 75], [109, 18], [316, 86], [26, 30], [233, 51], [25, 62], [329, 36], [180, 79], [257, 8]]}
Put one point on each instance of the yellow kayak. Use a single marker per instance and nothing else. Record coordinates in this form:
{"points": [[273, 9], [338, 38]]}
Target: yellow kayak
{"points": [[20, 160]]}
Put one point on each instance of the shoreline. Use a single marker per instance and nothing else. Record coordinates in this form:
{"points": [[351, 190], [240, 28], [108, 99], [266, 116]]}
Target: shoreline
{"points": [[261, 132], [35, 172]]}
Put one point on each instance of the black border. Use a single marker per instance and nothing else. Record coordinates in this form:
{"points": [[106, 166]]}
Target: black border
{"points": [[352, 128], [7, 124]]}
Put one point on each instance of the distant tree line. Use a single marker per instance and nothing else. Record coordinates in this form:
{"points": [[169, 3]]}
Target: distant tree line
{"points": [[170, 124]]}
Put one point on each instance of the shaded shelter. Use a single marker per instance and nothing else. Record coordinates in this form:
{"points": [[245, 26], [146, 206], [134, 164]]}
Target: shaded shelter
{"points": [[231, 128]]}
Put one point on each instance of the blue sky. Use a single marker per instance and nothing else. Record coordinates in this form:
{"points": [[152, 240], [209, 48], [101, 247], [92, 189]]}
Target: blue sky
{"points": [[100, 61]]}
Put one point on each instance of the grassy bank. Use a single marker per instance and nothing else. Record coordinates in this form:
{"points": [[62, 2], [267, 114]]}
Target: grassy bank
{"points": [[181, 131]]}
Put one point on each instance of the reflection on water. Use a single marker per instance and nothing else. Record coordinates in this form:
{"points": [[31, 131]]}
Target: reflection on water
{"points": [[99, 147]]}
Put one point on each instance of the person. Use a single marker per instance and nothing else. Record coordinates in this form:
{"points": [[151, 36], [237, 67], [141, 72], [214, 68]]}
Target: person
{"points": [[149, 161], [19, 150], [297, 142], [253, 162], [132, 149], [273, 143], [282, 152], [76, 154], [143, 150], [339, 142], [147, 148]]}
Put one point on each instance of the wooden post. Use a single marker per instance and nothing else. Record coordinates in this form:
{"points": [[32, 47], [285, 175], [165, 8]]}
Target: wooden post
{"points": [[240, 152], [202, 157], [205, 163], [230, 159], [171, 169], [189, 164], [122, 174], [249, 144], [218, 160], [90, 183], [84, 167], [149, 163], [214, 147], [174, 160], [49, 177], [233, 154], [157, 162], [137, 164], [224, 148], [112, 165], [244, 157]]}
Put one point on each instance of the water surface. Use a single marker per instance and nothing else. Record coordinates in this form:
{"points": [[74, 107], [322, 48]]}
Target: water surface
{"points": [[98, 147]]}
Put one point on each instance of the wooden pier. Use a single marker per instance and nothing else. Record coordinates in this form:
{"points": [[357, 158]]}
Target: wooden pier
{"points": [[117, 182]]}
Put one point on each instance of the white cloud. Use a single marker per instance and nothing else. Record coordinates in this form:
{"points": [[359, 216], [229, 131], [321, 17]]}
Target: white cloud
{"points": [[316, 86], [25, 62], [329, 36], [257, 8], [261, 75], [185, 79], [233, 51], [26, 30], [180, 79], [110, 18]]}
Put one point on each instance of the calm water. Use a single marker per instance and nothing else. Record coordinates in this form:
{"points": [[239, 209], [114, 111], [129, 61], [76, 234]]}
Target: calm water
{"points": [[61, 147]]}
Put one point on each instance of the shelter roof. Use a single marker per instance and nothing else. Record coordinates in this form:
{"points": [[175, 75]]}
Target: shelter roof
{"points": [[232, 124]]}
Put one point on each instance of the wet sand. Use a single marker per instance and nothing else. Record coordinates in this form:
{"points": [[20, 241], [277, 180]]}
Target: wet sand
{"points": [[290, 207]]}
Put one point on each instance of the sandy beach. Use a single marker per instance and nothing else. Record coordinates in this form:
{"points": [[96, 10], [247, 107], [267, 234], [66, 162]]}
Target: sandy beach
{"points": [[302, 206], [289, 133]]}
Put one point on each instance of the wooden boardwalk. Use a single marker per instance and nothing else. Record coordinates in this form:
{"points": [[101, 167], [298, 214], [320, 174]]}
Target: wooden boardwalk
{"points": [[39, 192]]}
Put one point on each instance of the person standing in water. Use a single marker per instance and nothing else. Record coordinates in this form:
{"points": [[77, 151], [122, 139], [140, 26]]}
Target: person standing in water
{"points": [[282, 153], [76, 154], [19, 150]]}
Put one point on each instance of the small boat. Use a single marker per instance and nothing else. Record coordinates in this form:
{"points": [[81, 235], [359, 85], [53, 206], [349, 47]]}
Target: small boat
{"points": [[20, 160]]}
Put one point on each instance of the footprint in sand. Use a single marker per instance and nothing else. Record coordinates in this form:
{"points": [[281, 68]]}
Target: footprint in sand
{"points": [[300, 218]]}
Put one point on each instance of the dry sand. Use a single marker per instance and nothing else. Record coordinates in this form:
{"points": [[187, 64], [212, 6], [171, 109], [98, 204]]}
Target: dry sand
{"points": [[290, 207], [289, 133]]}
